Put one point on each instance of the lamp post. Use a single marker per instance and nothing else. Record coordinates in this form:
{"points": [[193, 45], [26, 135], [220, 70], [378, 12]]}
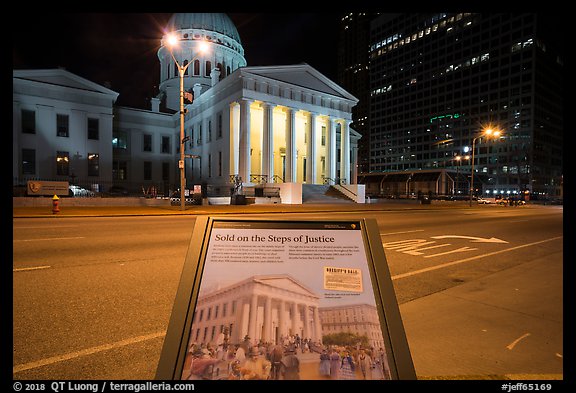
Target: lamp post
{"points": [[173, 41], [488, 132], [459, 160]]}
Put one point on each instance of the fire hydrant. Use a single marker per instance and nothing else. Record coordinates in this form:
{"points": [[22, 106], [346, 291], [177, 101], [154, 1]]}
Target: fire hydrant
{"points": [[55, 208]]}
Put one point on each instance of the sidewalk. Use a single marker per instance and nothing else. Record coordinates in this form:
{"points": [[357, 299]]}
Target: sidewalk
{"points": [[105, 210], [508, 325]]}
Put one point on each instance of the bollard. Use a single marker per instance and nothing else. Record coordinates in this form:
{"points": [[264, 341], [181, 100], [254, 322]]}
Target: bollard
{"points": [[55, 208]]}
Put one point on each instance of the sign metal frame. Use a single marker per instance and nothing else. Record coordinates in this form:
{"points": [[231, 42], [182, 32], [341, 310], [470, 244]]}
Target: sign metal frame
{"points": [[175, 344]]}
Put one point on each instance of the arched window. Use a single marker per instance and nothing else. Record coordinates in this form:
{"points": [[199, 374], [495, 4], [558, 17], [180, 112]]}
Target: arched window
{"points": [[208, 68], [184, 65], [196, 67], [219, 66], [227, 70], [175, 70]]}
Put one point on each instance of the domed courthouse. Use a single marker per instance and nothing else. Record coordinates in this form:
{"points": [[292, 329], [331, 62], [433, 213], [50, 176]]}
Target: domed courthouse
{"points": [[277, 126]]}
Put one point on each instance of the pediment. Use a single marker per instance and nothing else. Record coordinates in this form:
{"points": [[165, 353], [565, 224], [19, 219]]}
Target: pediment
{"points": [[286, 283], [301, 75], [278, 281], [61, 78]]}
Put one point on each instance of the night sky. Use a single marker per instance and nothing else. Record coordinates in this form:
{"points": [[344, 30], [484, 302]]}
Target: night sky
{"points": [[121, 48]]}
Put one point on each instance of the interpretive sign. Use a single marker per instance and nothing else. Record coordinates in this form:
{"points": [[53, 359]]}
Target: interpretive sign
{"points": [[41, 187], [282, 299]]}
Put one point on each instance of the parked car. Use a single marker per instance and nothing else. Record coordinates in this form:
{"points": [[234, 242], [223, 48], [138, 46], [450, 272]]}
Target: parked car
{"points": [[484, 201], [511, 202]]}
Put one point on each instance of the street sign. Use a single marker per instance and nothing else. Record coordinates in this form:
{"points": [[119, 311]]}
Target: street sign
{"points": [[254, 292]]}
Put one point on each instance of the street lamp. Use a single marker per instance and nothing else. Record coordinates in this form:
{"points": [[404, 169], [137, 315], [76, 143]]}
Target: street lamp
{"points": [[459, 160], [172, 41], [490, 133]]}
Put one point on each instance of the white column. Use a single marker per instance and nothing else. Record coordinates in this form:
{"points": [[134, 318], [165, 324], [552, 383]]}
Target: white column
{"points": [[267, 320], [345, 151], [317, 325], [252, 318], [294, 318], [238, 334], [244, 159], [281, 320], [311, 155], [290, 145], [268, 141], [306, 331], [234, 140], [354, 165], [331, 170]]}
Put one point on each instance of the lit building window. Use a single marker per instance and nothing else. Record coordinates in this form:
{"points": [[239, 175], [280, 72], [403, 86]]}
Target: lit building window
{"points": [[93, 164], [62, 163]]}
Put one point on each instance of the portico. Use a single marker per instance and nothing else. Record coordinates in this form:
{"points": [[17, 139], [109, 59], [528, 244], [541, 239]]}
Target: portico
{"points": [[287, 124], [267, 308], [280, 143]]}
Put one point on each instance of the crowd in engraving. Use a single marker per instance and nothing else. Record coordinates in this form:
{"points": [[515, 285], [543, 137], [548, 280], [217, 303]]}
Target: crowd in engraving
{"points": [[292, 357]]}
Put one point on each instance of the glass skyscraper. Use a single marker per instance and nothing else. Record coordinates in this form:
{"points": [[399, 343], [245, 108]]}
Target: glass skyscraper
{"points": [[438, 80]]}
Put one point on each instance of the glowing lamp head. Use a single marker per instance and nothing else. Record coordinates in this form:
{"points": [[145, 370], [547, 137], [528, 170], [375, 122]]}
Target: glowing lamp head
{"points": [[491, 132], [172, 40], [203, 47]]}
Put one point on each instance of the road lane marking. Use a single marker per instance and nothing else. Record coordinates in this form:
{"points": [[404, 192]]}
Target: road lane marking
{"points": [[45, 227], [411, 251], [415, 272], [414, 246], [461, 249], [85, 352], [398, 233], [473, 239], [50, 238], [513, 343], [25, 269]]}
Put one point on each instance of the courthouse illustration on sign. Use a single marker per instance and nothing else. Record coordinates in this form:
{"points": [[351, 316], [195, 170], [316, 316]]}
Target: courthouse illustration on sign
{"points": [[265, 308], [253, 320]]}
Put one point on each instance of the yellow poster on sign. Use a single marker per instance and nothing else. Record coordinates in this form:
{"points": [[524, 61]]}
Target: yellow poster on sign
{"points": [[342, 279]]}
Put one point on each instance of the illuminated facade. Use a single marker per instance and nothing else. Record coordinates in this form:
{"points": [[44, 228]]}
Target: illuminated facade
{"points": [[436, 80], [266, 308], [273, 124], [359, 319]]}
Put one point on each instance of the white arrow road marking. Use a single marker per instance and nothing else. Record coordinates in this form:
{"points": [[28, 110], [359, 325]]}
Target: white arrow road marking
{"points": [[513, 343], [473, 238], [461, 249], [431, 268]]}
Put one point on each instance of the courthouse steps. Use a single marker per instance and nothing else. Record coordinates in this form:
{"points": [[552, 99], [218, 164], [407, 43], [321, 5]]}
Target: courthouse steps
{"points": [[321, 193]]}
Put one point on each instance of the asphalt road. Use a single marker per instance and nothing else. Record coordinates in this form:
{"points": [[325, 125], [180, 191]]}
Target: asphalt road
{"points": [[92, 296]]}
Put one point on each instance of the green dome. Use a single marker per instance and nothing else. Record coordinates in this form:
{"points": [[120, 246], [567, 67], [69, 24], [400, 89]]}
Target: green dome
{"points": [[219, 23]]}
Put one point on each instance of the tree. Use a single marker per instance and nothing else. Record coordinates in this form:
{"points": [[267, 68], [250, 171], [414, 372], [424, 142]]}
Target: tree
{"points": [[345, 339]]}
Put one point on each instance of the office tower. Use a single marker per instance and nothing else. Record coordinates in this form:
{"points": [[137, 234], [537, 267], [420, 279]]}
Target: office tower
{"points": [[438, 80], [353, 74]]}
